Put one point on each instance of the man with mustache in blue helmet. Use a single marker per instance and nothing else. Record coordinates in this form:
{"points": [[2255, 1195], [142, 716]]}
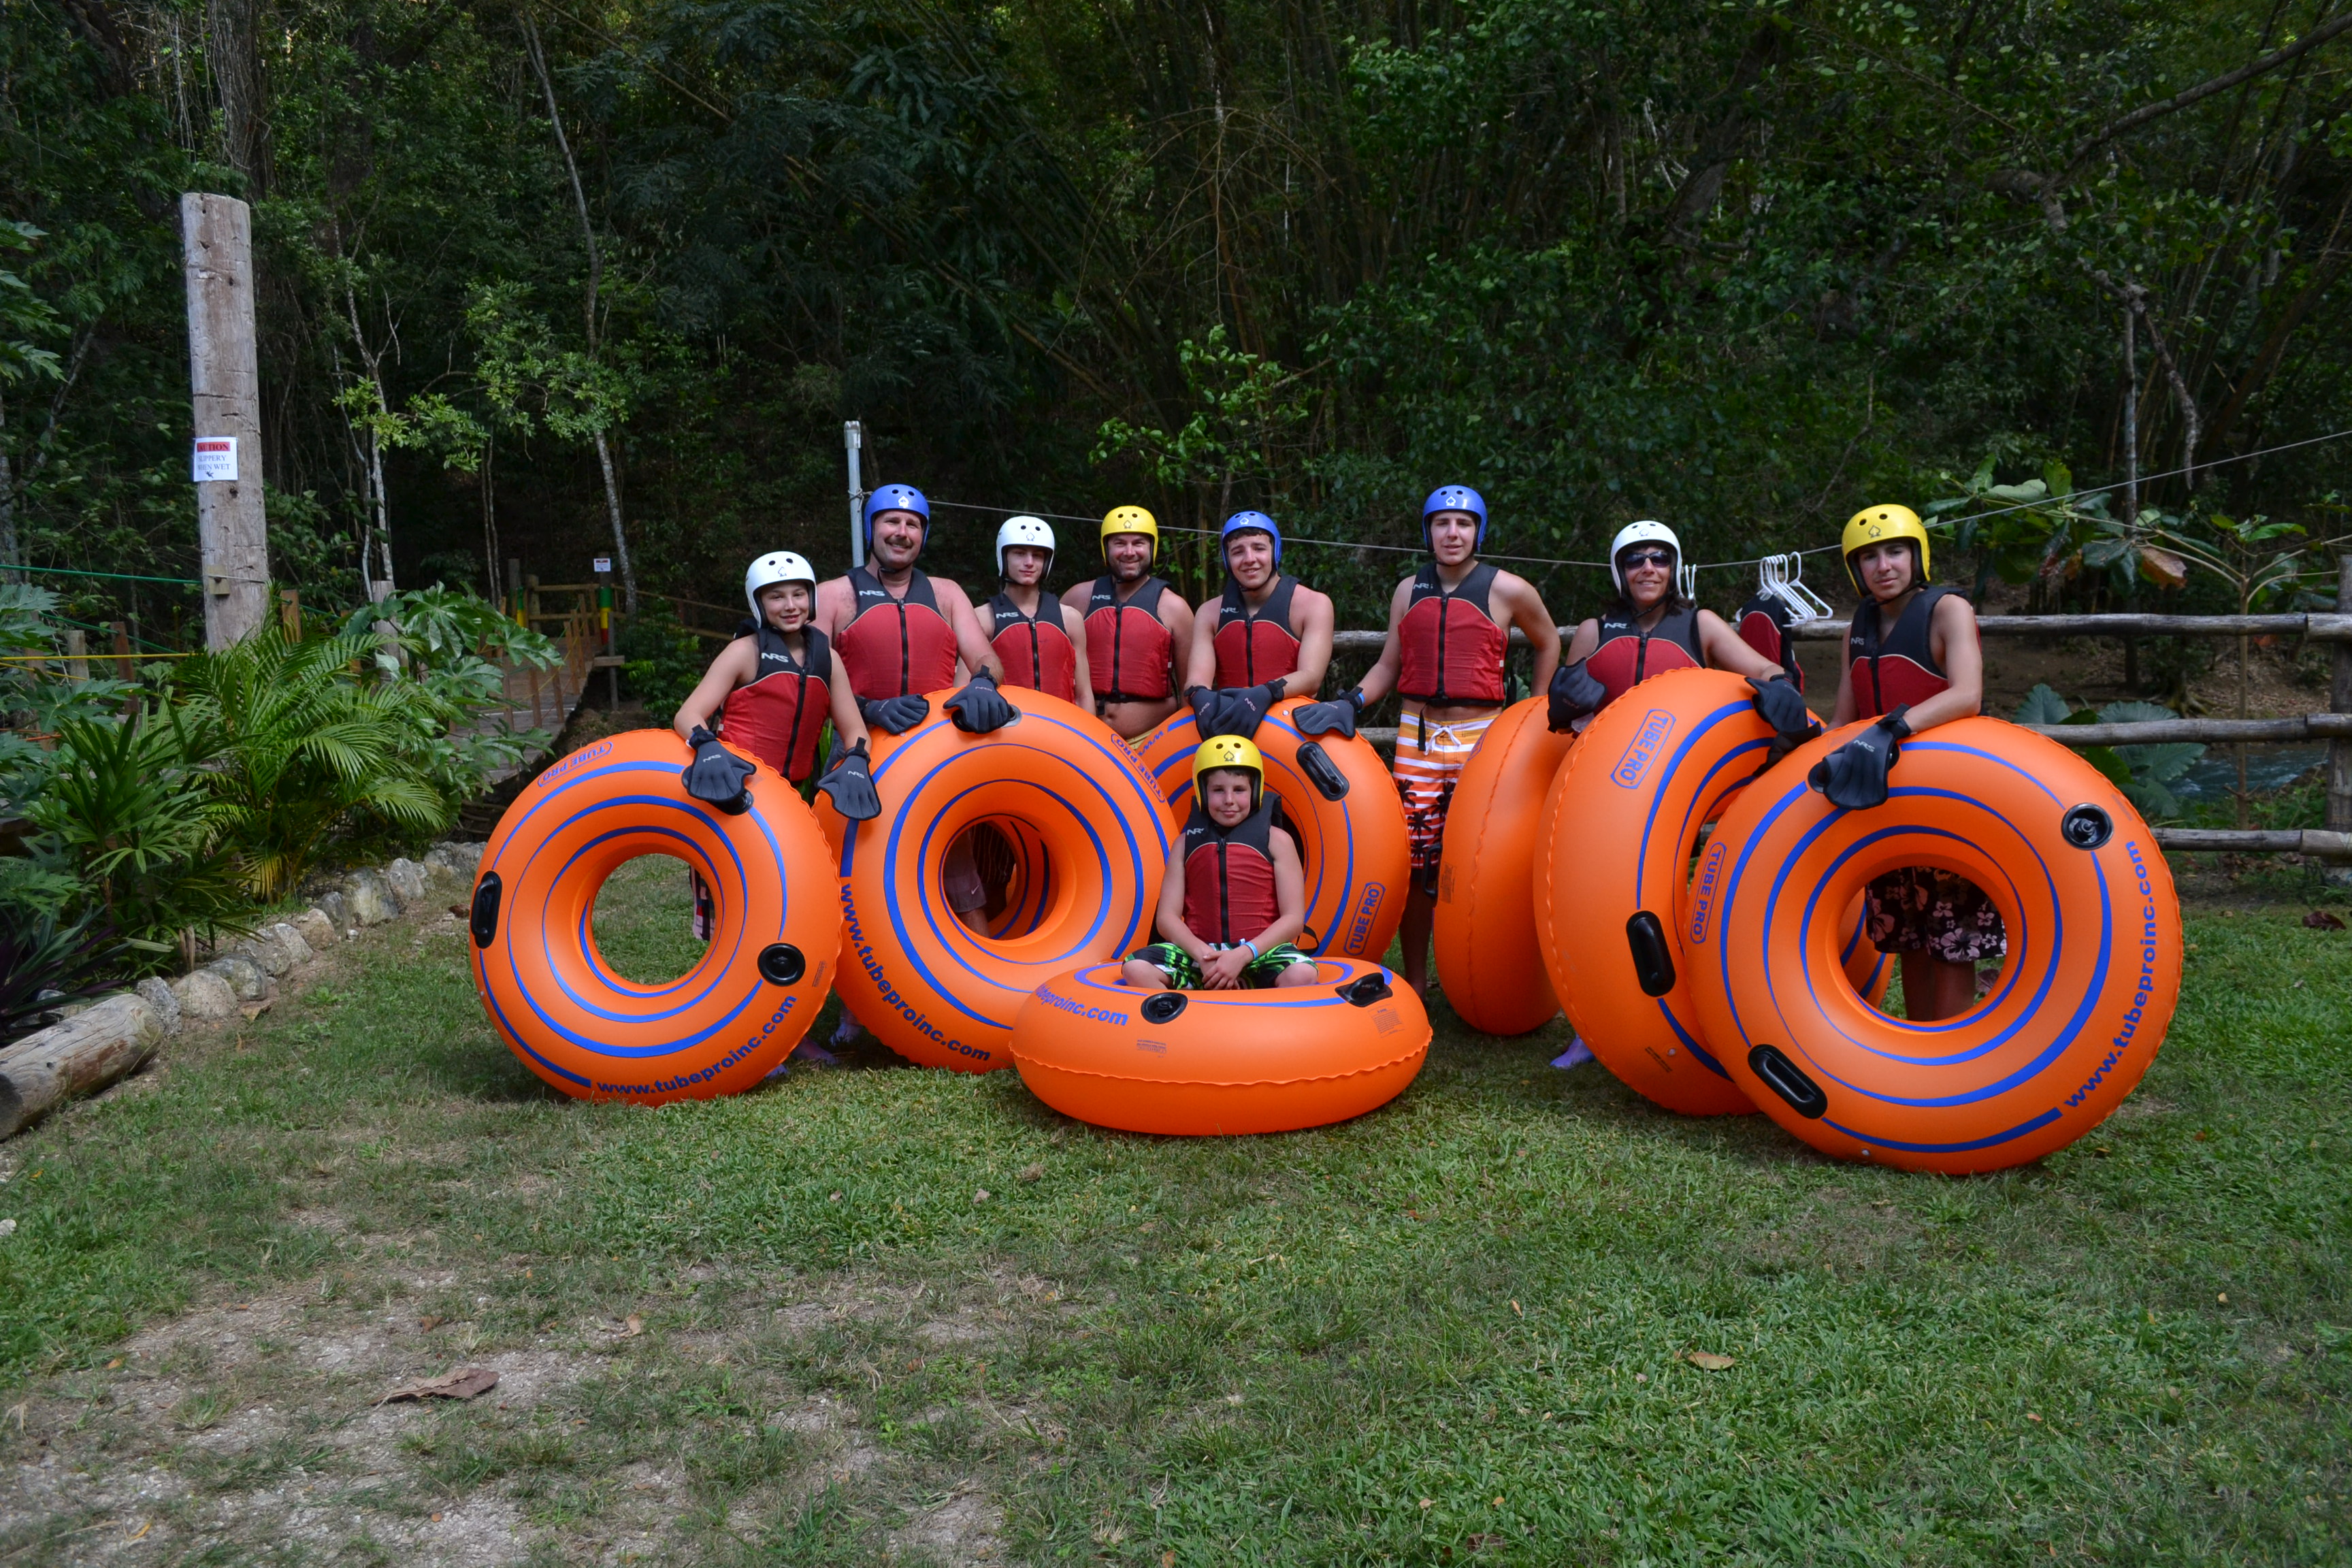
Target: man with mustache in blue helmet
{"points": [[1449, 631], [1267, 637], [901, 633]]}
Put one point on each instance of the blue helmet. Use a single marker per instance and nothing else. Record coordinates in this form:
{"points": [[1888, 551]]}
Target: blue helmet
{"points": [[1242, 522], [1455, 498], [896, 498]]}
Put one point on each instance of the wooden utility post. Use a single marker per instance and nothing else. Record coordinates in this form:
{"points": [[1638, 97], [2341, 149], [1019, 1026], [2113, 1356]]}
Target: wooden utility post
{"points": [[216, 235]]}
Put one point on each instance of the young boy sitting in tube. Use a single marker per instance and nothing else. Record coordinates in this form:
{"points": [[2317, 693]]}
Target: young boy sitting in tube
{"points": [[1234, 895], [1912, 662]]}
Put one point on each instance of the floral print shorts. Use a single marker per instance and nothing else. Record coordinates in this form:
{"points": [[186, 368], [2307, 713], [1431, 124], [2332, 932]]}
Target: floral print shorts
{"points": [[1921, 909]]}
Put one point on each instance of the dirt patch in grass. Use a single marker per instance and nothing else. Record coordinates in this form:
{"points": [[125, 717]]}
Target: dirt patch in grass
{"points": [[255, 1426]]}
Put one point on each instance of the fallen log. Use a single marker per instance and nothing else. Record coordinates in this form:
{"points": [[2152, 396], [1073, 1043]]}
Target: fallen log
{"points": [[81, 1056]]}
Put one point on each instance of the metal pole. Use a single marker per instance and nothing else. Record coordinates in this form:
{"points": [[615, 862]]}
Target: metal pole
{"points": [[2339, 700], [853, 441], [223, 376], [605, 620]]}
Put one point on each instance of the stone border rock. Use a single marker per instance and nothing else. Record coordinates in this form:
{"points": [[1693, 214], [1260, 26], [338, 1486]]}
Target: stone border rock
{"points": [[117, 1035]]}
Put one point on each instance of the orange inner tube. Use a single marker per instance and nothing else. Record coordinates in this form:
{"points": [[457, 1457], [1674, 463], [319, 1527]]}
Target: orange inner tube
{"points": [[1204, 1063], [1088, 840], [2073, 1019], [1488, 960], [724, 1025], [1349, 824], [1613, 854]]}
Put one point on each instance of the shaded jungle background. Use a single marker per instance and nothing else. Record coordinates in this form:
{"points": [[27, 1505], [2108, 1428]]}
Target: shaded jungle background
{"points": [[1742, 266]]}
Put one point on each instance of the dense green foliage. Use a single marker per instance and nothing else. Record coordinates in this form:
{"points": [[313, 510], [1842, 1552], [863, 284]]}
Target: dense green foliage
{"points": [[1738, 266]]}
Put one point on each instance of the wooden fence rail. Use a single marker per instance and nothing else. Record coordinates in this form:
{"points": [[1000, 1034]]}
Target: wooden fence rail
{"points": [[2316, 628]]}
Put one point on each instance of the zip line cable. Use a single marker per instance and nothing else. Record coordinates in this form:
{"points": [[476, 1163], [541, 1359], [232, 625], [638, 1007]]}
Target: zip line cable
{"points": [[1709, 566], [121, 576]]}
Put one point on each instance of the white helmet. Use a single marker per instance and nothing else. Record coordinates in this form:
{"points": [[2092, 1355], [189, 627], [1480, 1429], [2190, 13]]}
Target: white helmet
{"points": [[1643, 534], [1032, 532], [776, 566]]}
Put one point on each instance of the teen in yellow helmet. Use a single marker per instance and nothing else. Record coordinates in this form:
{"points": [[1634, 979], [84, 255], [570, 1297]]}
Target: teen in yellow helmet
{"points": [[1878, 524], [1912, 662]]}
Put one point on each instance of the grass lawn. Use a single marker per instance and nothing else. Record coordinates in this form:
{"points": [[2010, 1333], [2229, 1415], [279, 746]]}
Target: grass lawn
{"points": [[872, 1315]]}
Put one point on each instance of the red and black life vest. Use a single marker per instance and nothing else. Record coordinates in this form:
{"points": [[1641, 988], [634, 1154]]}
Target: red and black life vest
{"points": [[1629, 655], [1452, 650], [1128, 651], [1898, 667], [1254, 647], [1764, 627], [1037, 651], [778, 717], [1229, 875], [892, 646]]}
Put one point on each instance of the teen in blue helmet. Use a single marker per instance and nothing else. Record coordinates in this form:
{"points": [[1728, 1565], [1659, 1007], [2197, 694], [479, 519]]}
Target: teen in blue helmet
{"points": [[1265, 637], [1449, 630], [1455, 498]]}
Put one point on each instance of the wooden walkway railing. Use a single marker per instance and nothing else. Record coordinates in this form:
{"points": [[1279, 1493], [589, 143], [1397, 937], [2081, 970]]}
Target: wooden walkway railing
{"points": [[2334, 726]]}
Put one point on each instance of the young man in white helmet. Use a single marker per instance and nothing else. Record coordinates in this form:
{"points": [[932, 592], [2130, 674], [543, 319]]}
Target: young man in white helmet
{"points": [[902, 633], [1449, 630], [1650, 628], [1137, 627], [1039, 641], [1265, 637]]}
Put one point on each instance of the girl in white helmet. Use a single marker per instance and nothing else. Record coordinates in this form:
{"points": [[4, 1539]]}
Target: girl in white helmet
{"points": [[1042, 640], [771, 692], [1650, 628]]}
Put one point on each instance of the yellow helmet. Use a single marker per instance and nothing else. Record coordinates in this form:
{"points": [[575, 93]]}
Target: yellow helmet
{"points": [[1132, 520], [1872, 524], [1229, 752]]}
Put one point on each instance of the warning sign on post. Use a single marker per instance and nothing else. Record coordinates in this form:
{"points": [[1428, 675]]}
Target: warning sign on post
{"points": [[216, 459], [604, 564]]}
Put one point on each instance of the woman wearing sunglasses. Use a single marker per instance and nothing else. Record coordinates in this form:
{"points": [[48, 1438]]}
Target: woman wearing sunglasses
{"points": [[1650, 627]]}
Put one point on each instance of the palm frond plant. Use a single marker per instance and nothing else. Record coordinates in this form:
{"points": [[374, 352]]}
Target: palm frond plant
{"points": [[123, 807], [301, 742]]}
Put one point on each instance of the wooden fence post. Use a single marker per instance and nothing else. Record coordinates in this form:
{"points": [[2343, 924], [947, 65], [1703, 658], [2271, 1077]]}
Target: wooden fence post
{"points": [[2339, 700], [216, 236], [289, 613], [76, 651]]}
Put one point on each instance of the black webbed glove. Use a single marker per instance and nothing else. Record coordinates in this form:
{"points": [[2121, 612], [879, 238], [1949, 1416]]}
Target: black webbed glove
{"points": [[979, 709], [851, 785], [1208, 706], [1854, 775], [1780, 704], [893, 715], [716, 776], [1336, 716], [1574, 695], [1240, 711]]}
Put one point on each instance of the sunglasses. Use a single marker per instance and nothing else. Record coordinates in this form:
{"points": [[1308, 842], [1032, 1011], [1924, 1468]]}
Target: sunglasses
{"points": [[1633, 558]]}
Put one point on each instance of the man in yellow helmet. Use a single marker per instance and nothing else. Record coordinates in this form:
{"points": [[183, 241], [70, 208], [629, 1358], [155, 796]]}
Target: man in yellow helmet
{"points": [[1234, 894], [1911, 661], [1135, 625]]}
